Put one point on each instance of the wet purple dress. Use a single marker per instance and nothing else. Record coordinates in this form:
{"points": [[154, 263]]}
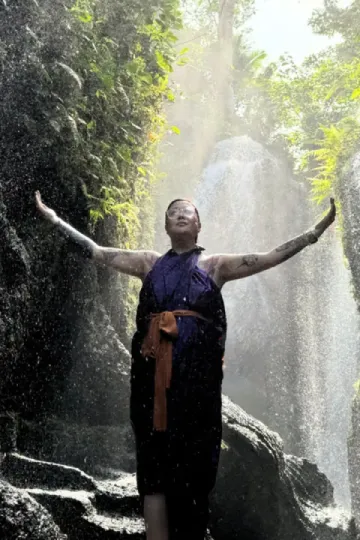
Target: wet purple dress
{"points": [[183, 460]]}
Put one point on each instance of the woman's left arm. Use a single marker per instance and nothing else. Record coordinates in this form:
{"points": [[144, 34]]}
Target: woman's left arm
{"points": [[230, 267]]}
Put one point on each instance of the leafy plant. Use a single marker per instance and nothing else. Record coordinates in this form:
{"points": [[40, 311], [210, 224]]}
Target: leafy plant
{"points": [[83, 85], [310, 111], [125, 60]]}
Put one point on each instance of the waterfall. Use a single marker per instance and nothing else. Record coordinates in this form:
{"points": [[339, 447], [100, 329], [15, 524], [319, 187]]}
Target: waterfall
{"points": [[292, 330]]}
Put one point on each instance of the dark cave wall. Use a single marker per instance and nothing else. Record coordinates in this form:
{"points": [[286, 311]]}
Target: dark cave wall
{"points": [[54, 321]]}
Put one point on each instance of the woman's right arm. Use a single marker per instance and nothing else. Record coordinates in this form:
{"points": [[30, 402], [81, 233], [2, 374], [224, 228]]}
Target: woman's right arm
{"points": [[131, 262]]}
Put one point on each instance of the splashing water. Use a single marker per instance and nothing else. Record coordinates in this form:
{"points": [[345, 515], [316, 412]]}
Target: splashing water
{"points": [[293, 330]]}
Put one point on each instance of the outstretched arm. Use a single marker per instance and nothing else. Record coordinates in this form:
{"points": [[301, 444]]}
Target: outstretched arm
{"points": [[134, 263], [230, 267]]}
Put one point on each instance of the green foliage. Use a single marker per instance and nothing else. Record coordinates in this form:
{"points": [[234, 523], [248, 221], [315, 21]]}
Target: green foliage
{"points": [[310, 111], [95, 74], [125, 51], [357, 388], [127, 56], [337, 145], [83, 83], [124, 60], [224, 445]]}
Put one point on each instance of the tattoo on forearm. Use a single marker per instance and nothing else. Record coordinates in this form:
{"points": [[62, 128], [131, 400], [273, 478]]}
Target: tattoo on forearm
{"points": [[289, 254], [248, 260], [295, 245], [109, 255]]}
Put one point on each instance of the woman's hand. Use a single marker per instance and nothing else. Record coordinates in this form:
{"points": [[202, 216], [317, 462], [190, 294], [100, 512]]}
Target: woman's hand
{"points": [[321, 227], [47, 213]]}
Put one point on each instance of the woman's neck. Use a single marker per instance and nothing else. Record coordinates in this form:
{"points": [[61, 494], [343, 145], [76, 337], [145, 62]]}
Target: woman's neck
{"points": [[182, 245]]}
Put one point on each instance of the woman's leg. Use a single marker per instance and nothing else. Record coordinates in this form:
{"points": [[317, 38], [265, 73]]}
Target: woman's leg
{"points": [[156, 520]]}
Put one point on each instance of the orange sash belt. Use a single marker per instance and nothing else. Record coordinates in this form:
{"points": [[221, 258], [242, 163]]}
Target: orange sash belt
{"points": [[158, 344]]}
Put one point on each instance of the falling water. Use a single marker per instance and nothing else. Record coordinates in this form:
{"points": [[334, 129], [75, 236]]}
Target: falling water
{"points": [[293, 330]]}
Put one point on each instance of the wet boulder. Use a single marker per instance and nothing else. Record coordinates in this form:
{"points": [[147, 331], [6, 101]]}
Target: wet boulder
{"points": [[23, 518], [264, 494]]}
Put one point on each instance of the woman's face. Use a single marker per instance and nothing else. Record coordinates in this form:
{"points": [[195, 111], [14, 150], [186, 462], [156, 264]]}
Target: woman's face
{"points": [[182, 219]]}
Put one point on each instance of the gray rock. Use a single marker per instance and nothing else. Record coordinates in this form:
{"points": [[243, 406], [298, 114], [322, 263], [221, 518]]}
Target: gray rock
{"points": [[23, 471], [264, 494], [261, 493], [8, 433], [349, 188], [23, 518], [14, 296], [118, 495], [354, 457], [77, 515], [350, 200], [82, 507], [89, 447]]}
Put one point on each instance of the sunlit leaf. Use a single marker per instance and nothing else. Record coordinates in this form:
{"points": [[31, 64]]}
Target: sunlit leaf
{"points": [[175, 129], [142, 171], [355, 94]]}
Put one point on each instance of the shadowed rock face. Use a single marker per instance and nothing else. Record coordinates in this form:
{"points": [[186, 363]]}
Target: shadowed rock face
{"points": [[57, 314], [59, 350], [261, 493], [350, 199], [354, 458]]}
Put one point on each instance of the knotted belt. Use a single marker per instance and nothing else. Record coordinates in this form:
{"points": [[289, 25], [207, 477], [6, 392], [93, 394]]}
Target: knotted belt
{"points": [[158, 344]]}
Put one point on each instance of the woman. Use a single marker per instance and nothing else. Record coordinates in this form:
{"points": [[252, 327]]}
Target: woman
{"points": [[177, 353]]}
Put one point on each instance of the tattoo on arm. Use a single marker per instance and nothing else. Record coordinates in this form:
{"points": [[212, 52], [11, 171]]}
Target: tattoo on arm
{"points": [[295, 245], [239, 266], [109, 255], [248, 260]]}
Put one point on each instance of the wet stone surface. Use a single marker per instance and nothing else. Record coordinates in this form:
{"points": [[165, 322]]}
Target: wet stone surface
{"points": [[261, 494]]}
